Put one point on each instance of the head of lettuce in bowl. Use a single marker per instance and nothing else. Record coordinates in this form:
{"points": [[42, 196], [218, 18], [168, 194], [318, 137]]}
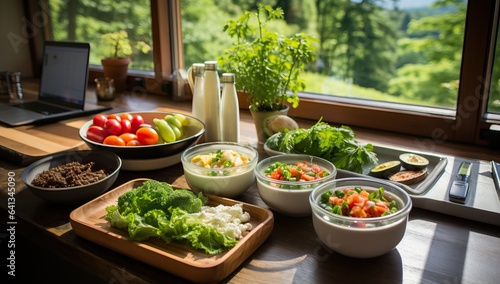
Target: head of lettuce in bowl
{"points": [[360, 217], [220, 168], [285, 182]]}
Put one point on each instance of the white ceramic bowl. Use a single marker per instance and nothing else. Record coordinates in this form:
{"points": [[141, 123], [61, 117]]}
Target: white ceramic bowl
{"points": [[226, 182], [290, 198], [361, 237], [106, 161], [150, 157]]}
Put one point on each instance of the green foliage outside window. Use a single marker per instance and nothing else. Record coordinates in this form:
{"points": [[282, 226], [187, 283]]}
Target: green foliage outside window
{"points": [[89, 20], [365, 50]]}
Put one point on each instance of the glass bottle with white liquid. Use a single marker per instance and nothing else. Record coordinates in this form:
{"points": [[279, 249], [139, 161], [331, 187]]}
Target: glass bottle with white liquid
{"points": [[211, 98], [198, 100], [230, 110]]}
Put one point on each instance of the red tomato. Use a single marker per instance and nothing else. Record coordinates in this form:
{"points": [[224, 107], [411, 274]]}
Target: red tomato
{"points": [[126, 116], [99, 120], [133, 143], [96, 133], [114, 140], [147, 136], [136, 121], [128, 137], [126, 126], [115, 116], [113, 127]]}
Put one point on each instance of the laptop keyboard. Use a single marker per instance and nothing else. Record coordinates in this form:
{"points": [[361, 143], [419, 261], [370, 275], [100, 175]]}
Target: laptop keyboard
{"points": [[41, 108]]}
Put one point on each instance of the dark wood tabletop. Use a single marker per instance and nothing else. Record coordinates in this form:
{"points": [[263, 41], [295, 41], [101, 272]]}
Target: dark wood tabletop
{"points": [[437, 248]]}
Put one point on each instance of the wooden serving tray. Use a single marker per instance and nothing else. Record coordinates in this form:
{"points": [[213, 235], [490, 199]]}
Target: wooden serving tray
{"points": [[182, 260]]}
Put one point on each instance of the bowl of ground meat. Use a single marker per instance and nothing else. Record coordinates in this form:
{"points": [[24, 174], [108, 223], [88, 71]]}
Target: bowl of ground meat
{"points": [[72, 177]]}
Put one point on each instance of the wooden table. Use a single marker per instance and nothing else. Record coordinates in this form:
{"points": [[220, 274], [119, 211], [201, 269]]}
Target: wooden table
{"points": [[437, 248]]}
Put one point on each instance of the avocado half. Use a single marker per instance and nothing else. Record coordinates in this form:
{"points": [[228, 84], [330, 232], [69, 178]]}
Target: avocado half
{"points": [[413, 162], [385, 170]]}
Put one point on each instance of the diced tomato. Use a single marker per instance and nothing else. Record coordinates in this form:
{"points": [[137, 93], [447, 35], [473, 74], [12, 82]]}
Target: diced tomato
{"points": [[300, 171], [355, 200], [358, 212], [334, 200], [380, 210], [307, 177], [358, 204], [275, 175], [295, 172]]}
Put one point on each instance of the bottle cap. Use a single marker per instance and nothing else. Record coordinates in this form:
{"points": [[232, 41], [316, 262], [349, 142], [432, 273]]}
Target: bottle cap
{"points": [[227, 78], [210, 65], [198, 69]]}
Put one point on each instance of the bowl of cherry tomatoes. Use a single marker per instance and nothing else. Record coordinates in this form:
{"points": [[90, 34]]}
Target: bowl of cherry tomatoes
{"points": [[143, 140]]}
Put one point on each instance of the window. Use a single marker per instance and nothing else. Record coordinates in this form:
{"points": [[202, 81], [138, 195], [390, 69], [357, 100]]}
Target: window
{"points": [[403, 52], [100, 23], [494, 97], [430, 76]]}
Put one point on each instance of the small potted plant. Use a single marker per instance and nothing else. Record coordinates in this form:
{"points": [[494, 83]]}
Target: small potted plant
{"points": [[116, 66], [267, 64]]}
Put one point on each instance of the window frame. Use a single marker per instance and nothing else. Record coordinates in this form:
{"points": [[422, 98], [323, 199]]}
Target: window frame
{"points": [[468, 125]]}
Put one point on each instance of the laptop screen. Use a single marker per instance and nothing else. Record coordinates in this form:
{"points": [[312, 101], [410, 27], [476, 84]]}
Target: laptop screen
{"points": [[64, 73]]}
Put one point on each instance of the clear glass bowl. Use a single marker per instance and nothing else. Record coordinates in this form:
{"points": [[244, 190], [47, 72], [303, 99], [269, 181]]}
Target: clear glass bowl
{"points": [[228, 182], [290, 197], [361, 237]]}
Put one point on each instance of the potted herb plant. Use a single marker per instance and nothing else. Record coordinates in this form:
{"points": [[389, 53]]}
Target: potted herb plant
{"points": [[267, 64], [116, 66]]}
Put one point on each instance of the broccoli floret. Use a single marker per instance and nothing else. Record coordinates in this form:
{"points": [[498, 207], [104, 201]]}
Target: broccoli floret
{"points": [[185, 200], [155, 209], [150, 195]]}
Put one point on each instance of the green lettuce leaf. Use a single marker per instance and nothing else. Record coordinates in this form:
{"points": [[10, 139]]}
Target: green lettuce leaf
{"points": [[138, 230], [335, 144], [156, 210], [188, 228]]}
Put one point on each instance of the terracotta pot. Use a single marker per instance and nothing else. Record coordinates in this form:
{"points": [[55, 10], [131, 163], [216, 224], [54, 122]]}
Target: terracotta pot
{"points": [[260, 118], [116, 69]]}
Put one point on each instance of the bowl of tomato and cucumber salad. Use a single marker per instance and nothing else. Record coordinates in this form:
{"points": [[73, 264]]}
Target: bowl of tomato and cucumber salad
{"points": [[220, 168], [285, 181], [360, 217], [142, 135]]}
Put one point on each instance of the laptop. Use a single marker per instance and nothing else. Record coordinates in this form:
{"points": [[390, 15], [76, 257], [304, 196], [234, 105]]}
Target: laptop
{"points": [[63, 85]]}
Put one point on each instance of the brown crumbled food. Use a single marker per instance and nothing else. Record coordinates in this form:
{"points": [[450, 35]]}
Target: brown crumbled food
{"points": [[69, 175]]}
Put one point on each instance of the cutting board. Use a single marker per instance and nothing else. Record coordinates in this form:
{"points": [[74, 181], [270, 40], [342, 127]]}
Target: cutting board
{"points": [[23, 145]]}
